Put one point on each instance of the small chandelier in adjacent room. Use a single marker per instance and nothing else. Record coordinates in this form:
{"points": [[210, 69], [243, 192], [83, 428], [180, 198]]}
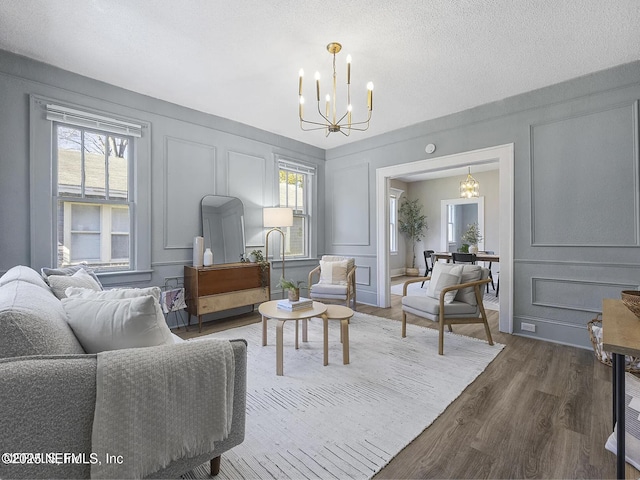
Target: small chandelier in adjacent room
{"points": [[329, 119], [470, 188]]}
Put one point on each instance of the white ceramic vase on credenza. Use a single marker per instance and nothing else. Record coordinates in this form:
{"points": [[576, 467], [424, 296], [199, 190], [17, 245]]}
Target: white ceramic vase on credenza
{"points": [[208, 257], [198, 251]]}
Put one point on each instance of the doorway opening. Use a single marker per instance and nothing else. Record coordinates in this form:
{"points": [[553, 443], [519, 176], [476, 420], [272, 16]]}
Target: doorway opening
{"points": [[504, 156]]}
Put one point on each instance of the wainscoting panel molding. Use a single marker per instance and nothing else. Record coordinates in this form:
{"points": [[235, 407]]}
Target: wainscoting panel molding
{"points": [[189, 173], [578, 295], [246, 179], [363, 275], [349, 187], [566, 207]]}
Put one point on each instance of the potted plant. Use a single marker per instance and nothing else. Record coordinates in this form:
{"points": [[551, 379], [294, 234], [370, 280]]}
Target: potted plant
{"points": [[472, 237], [413, 224], [293, 288], [256, 257]]}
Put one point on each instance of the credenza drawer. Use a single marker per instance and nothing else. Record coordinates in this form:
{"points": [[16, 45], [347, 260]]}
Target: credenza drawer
{"points": [[225, 301]]}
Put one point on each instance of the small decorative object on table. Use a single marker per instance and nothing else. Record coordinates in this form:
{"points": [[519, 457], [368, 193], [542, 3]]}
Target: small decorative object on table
{"points": [[632, 364], [631, 300], [472, 237], [208, 258], [293, 287], [292, 306]]}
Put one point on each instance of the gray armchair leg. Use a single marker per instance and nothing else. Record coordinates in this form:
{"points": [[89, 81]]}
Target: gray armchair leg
{"points": [[215, 466]]}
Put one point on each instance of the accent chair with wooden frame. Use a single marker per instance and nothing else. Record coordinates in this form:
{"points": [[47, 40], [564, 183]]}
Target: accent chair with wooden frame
{"points": [[449, 302], [337, 282]]}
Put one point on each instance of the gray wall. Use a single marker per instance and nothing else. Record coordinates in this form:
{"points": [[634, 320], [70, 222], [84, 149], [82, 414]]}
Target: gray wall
{"points": [[192, 155], [577, 196]]}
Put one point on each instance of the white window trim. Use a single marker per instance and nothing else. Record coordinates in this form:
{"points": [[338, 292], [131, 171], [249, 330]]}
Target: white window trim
{"points": [[312, 222], [43, 207], [397, 193]]}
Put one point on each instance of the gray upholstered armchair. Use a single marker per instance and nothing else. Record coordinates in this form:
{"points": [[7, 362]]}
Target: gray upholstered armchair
{"points": [[454, 296], [337, 280]]}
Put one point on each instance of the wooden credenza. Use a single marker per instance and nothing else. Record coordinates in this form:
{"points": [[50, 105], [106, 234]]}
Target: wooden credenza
{"points": [[221, 287]]}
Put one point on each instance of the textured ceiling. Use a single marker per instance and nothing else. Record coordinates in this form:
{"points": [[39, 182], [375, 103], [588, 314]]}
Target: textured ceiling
{"points": [[240, 60]]}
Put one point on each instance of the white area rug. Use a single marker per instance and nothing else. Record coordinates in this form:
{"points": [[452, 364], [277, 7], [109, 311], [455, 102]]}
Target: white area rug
{"points": [[345, 421], [490, 301]]}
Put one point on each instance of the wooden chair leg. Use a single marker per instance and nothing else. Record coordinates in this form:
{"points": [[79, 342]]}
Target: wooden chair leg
{"points": [[441, 336], [404, 324], [215, 466]]}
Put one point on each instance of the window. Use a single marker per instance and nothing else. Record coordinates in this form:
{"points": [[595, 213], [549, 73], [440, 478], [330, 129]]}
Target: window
{"points": [[394, 196], [295, 185], [93, 193], [393, 223], [102, 207]]}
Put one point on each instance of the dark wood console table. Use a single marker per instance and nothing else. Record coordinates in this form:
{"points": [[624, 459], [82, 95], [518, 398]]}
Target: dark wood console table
{"points": [[221, 287], [620, 336]]}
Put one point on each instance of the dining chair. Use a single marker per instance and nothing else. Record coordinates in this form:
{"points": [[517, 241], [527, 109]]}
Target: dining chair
{"points": [[429, 268], [491, 252], [458, 257]]}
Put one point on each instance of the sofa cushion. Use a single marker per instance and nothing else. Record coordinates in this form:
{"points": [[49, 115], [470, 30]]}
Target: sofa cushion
{"points": [[429, 307], [24, 274], [49, 272], [33, 322], [444, 275], [112, 324], [114, 293], [59, 283]]}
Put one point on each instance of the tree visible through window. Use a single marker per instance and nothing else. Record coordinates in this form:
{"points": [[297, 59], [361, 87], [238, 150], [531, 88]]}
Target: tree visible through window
{"points": [[294, 187], [93, 197]]}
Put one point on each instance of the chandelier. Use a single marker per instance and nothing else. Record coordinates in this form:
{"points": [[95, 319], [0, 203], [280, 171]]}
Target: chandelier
{"points": [[469, 188], [330, 121]]}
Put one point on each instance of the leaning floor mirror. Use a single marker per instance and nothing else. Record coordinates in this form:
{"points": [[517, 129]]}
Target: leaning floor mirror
{"points": [[223, 227]]}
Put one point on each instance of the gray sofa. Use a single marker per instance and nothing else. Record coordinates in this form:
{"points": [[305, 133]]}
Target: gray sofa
{"points": [[48, 385]]}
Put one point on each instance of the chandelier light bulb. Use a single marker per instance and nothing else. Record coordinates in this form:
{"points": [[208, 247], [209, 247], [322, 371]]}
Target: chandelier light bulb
{"points": [[301, 73], [370, 86], [317, 76]]}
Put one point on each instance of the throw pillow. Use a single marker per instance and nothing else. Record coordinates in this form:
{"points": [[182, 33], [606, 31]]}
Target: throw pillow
{"points": [[444, 275], [470, 273], [59, 283], [113, 324], [334, 273], [114, 293], [48, 272]]}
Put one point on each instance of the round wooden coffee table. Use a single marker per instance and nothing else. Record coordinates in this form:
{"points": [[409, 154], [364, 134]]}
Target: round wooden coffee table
{"points": [[270, 310]]}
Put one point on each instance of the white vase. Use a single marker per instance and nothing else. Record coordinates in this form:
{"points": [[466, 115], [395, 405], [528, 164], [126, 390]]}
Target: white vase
{"points": [[198, 251], [473, 249], [208, 257]]}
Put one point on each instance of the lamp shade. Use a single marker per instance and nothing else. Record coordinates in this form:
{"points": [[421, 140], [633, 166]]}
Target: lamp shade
{"points": [[277, 217]]}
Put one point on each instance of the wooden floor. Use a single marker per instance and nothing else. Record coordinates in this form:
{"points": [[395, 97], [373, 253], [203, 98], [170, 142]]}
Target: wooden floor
{"points": [[539, 410]]}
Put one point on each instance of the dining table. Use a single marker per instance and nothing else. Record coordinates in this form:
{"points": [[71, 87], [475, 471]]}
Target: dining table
{"points": [[480, 257]]}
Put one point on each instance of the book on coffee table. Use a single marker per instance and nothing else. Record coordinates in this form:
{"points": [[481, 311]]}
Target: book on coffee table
{"points": [[297, 305]]}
